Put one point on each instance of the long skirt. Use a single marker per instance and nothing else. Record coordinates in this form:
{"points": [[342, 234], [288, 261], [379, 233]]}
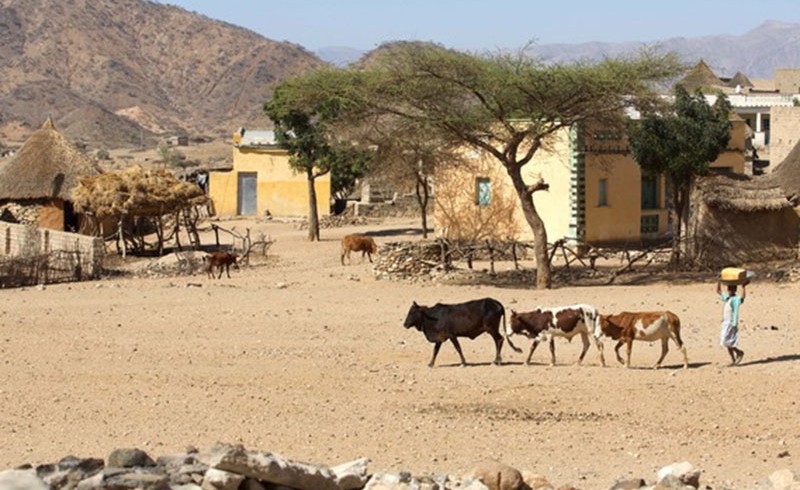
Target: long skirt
{"points": [[729, 337]]}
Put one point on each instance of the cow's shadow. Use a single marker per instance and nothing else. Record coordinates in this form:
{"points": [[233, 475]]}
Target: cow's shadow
{"points": [[480, 364], [770, 360], [663, 367]]}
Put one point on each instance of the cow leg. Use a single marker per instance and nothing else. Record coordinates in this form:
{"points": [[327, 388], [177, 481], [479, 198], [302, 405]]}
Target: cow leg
{"points": [[629, 347], [600, 347], [363, 253], [458, 349], [679, 343], [498, 344], [552, 351], [436, 347], [664, 350], [228, 270], [534, 345], [616, 351], [585, 339], [219, 268], [369, 256]]}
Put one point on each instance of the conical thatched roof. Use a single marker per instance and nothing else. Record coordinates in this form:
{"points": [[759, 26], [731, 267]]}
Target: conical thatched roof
{"points": [[135, 191], [46, 167], [740, 80], [699, 77], [739, 193]]}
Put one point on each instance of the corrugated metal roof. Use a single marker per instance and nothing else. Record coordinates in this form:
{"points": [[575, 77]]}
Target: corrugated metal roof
{"points": [[257, 138]]}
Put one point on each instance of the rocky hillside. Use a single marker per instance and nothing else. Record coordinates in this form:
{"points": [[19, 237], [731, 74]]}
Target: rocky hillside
{"points": [[755, 53], [120, 65]]}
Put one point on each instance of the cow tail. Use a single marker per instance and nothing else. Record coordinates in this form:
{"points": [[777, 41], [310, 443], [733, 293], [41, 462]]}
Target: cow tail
{"points": [[508, 334]]}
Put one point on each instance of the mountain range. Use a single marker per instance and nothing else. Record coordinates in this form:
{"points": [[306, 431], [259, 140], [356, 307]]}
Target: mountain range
{"points": [[122, 73]]}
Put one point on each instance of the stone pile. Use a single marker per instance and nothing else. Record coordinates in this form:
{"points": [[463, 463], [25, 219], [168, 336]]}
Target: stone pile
{"points": [[408, 260], [232, 467]]}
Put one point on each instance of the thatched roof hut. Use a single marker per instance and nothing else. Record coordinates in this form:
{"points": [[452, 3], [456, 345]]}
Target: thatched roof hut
{"points": [[737, 219], [700, 76], [36, 185], [46, 167]]}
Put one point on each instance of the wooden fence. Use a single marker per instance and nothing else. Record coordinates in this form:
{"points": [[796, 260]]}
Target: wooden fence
{"points": [[30, 255]]}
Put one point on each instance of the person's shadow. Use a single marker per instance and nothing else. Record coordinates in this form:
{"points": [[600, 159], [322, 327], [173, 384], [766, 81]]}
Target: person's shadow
{"points": [[770, 360]]}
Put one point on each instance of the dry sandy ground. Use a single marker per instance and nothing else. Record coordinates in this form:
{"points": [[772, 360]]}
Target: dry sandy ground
{"points": [[322, 370]]}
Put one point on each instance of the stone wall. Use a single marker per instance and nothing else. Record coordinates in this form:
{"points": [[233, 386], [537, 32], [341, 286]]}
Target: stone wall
{"points": [[784, 133]]}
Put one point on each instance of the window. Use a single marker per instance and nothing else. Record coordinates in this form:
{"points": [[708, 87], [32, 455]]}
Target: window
{"points": [[483, 191], [602, 192], [649, 224], [650, 191]]}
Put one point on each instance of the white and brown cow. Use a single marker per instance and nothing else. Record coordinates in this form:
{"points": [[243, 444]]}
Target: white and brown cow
{"points": [[544, 324], [647, 326]]}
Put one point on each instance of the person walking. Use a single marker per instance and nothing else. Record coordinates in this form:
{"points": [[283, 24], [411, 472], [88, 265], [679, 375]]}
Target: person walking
{"points": [[729, 335]]}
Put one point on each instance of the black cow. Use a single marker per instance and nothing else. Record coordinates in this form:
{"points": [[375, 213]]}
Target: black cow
{"points": [[441, 322]]}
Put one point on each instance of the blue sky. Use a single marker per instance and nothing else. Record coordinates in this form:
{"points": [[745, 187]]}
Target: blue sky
{"points": [[490, 24]]}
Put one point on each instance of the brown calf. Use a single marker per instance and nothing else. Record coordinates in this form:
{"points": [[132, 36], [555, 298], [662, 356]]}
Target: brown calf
{"points": [[648, 326], [358, 243], [543, 324], [220, 260]]}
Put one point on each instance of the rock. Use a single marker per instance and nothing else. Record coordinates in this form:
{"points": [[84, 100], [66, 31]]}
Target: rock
{"points": [[273, 468], [136, 481], [634, 484], [174, 460], [21, 480], [536, 481], [684, 471], [129, 458], [188, 486], [672, 482], [92, 483], [784, 480], [392, 481], [352, 475], [215, 479], [87, 466], [250, 484], [497, 476]]}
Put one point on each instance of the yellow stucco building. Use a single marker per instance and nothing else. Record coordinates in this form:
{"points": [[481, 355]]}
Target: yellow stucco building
{"points": [[597, 191], [262, 181]]}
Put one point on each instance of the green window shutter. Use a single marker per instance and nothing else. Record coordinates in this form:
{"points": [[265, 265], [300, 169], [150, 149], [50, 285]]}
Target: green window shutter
{"points": [[483, 191]]}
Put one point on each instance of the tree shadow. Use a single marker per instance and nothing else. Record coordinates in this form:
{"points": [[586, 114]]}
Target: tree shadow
{"points": [[770, 360]]}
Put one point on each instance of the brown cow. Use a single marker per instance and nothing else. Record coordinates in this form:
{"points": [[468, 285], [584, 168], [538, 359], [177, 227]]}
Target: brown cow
{"points": [[626, 327], [358, 243], [220, 260], [544, 324]]}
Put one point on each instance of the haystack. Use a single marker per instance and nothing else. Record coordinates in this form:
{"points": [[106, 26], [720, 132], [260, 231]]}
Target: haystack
{"points": [[136, 191], [42, 176], [737, 219]]}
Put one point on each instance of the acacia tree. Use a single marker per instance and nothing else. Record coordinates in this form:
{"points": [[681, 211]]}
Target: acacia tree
{"points": [[509, 105], [302, 128], [681, 143]]}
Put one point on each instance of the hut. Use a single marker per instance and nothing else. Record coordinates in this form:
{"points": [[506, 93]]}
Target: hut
{"points": [[36, 185], [737, 219]]}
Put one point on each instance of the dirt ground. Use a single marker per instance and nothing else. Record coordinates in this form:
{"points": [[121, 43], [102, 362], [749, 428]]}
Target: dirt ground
{"points": [[309, 359]]}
